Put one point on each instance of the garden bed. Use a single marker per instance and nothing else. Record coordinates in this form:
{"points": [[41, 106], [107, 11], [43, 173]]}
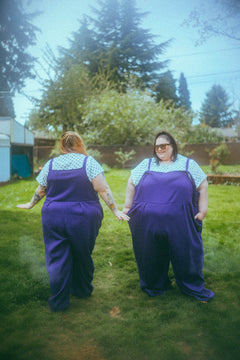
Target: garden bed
{"points": [[223, 179]]}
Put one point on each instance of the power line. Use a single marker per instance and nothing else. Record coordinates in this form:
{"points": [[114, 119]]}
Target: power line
{"points": [[190, 83], [214, 74], [203, 52]]}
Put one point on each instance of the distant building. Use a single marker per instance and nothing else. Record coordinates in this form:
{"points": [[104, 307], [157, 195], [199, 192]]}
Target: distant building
{"points": [[229, 134], [16, 149]]}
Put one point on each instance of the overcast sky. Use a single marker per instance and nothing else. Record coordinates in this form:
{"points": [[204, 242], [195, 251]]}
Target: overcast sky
{"points": [[215, 62]]}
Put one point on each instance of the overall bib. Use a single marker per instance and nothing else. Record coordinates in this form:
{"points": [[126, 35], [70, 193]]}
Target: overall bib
{"points": [[164, 229], [71, 218]]}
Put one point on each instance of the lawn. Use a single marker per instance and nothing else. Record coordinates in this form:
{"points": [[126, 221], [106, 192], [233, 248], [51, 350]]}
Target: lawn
{"points": [[119, 321], [223, 169]]}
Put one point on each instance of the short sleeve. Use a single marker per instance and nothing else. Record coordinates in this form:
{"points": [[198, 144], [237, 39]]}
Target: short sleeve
{"points": [[138, 171], [42, 177], [196, 172], [93, 168]]}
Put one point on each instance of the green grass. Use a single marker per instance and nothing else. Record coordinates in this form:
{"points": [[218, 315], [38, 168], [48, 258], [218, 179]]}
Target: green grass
{"points": [[119, 321], [223, 169]]}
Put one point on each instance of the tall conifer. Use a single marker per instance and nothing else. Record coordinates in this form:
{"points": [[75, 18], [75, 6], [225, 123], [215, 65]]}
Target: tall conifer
{"points": [[183, 93]]}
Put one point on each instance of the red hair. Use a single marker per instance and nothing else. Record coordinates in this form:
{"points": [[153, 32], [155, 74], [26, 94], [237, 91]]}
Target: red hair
{"points": [[72, 142]]}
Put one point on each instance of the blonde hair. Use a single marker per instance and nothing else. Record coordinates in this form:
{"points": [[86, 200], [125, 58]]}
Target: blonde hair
{"points": [[72, 142]]}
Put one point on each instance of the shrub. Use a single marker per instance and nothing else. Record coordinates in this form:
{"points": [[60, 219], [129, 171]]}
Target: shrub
{"points": [[217, 155], [124, 156]]}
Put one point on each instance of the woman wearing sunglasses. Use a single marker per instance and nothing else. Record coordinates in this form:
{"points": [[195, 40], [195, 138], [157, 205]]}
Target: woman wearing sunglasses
{"points": [[71, 218], [167, 199]]}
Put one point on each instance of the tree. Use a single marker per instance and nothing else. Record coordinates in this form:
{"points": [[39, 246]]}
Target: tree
{"points": [[114, 42], [17, 33], [203, 134], [139, 53], [215, 110], [114, 118], [106, 26], [165, 89], [236, 119], [6, 104], [183, 93], [132, 118], [84, 47], [216, 18], [63, 100]]}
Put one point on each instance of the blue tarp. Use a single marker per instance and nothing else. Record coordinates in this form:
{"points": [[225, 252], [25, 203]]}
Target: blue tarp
{"points": [[20, 165]]}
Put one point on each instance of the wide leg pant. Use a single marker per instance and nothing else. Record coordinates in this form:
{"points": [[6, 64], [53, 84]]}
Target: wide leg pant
{"points": [[70, 231], [162, 234]]}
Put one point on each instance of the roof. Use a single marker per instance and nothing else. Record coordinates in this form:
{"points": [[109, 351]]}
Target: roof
{"points": [[17, 132], [4, 140], [227, 132], [42, 134]]}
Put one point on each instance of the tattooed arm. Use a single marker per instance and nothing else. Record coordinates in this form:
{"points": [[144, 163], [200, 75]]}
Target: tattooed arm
{"points": [[38, 195], [100, 185]]}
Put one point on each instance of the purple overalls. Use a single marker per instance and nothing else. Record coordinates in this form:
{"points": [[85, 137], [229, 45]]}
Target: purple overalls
{"points": [[71, 218], [164, 229]]}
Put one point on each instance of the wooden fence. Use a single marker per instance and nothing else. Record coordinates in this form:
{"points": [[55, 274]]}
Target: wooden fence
{"points": [[198, 152]]}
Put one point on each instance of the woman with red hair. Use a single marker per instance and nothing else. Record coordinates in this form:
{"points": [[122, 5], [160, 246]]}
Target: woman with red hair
{"points": [[71, 218]]}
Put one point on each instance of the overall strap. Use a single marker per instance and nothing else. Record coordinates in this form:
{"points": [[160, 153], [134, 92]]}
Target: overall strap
{"points": [[50, 165], [85, 161], [195, 193], [149, 163]]}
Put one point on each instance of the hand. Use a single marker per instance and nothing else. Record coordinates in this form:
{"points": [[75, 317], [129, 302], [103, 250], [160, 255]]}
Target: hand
{"points": [[125, 210], [200, 216], [121, 216], [25, 206]]}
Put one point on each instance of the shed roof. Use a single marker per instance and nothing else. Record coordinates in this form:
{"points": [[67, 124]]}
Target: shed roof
{"points": [[4, 140], [18, 133]]}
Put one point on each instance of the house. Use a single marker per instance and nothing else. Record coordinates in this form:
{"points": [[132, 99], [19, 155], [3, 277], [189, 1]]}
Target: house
{"points": [[16, 149], [229, 134]]}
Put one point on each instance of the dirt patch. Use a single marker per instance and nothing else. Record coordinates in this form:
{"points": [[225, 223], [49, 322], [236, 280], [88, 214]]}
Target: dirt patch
{"points": [[73, 351], [185, 348], [115, 313]]}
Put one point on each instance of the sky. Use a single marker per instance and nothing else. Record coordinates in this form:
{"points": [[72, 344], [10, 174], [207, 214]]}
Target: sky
{"points": [[214, 62]]}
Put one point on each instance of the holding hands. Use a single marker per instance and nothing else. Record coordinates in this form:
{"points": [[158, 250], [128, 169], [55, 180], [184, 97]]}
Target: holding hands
{"points": [[121, 216], [26, 206]]}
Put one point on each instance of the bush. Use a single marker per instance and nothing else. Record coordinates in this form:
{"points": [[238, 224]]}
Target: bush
{"points": [[203, 134], [217, 155], [56, 150], [132, 118], [124, 156], [94, 153]]}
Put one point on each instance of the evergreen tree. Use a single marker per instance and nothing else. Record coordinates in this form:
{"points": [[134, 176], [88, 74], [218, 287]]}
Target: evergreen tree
{"points": [[6, 104], [236, 120], [183, 93], [139, 53], [165, 88], [106, 25], [107, 22], [84, 48], [113, 41], [215, 110], [16, 35]]}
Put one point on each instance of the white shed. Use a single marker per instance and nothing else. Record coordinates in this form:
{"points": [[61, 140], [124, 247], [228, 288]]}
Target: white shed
{"points": [[5, 172], [16, 149]]}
